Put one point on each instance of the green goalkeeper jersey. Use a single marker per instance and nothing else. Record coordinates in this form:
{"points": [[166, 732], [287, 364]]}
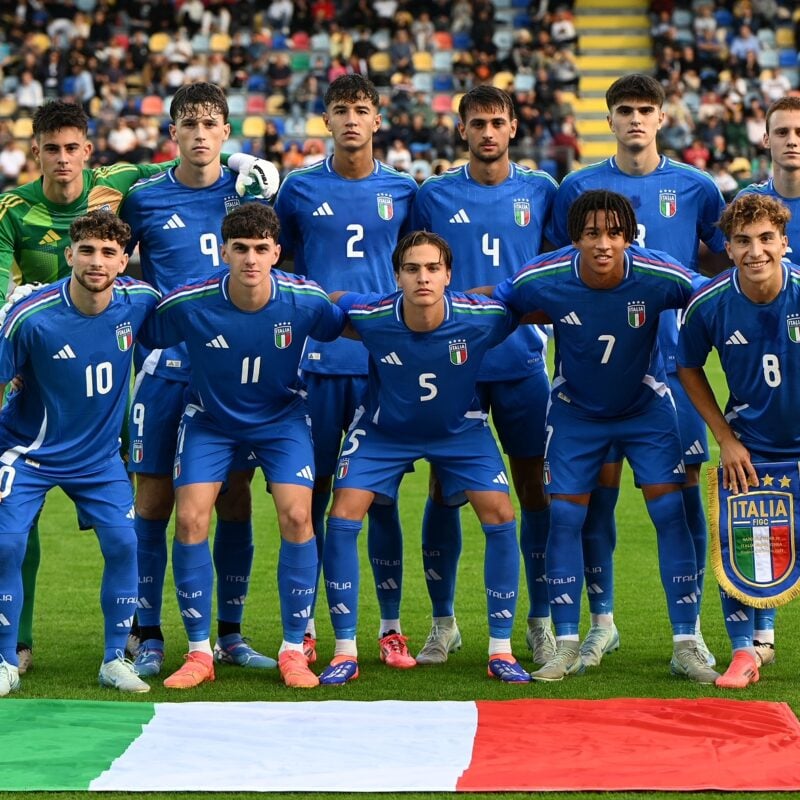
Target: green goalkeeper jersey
{"points": [[34, 230]]}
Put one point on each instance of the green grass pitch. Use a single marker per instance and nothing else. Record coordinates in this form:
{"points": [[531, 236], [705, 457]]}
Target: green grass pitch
{"points": [[68, 628]]}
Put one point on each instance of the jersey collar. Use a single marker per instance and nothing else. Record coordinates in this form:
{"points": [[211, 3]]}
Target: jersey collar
{"points": [[576, 265], [398, 307], [223, 287], [738, 287], [662, 162]]}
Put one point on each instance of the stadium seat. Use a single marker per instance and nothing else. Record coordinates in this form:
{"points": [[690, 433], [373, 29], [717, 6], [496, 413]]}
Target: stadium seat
{"points": [[8, 106], [301, 41], [682, 18], [152, 106], [521, 21], [443, 83], [524, 82], [22, 128], [766, 36], [301, 62], [422, 82], [41, 42], [158, 42], [315, 126], [380, 63], [443, 40], [256, 104], [253, 127], [441, 103], [321, 43], [784, 37], [381, 39], [279, 41], [503, 80], [280, 125], [87, 6], [442, 61], [220, 43], [257, 83], [455, 102], [520, 3], [462, 41], [503, 40], [236, 105], [201, 44], [276, 105], [769, 59], [421, 166], [422, 61], [68, 84], [232, 145], [787, 58], [724, 18]]}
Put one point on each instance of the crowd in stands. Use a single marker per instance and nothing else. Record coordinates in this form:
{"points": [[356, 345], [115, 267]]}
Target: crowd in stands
{"points": [[720, 62]]}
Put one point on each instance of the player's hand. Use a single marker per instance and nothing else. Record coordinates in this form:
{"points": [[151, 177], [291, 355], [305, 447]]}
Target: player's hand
{"points": [[737, 470], [19, 293], [257, 178]]}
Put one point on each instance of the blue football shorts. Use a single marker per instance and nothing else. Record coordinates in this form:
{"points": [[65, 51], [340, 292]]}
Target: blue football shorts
{"points": [[518, 411], [577, 446], [282, 449], [332, 404], [104, 497], [376, 461]]}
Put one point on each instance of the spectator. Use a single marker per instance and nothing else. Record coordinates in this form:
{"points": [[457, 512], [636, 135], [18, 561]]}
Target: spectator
{"points": [[12, 162], [697, 154], [29, 93], [399, 156], [422, 30], [279, 15], [562, 30], [743, 43]]}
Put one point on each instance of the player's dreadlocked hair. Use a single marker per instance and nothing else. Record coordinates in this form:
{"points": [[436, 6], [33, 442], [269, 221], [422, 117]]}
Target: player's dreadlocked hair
{"points": [[57, 114], [601, 200], [251, 221], [206, 97], [416, 239], [752, 208], [102, 225], [351, 89]]}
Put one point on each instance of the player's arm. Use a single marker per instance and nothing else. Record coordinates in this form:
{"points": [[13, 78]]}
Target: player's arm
{"points": [[7, 242], [339, 298], [737, 469], [162, 327]]}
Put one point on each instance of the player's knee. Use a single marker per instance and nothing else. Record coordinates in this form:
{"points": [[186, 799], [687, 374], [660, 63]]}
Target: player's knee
{"points": [[191, 525], [295, 524], [117, 544], [494, 510]]}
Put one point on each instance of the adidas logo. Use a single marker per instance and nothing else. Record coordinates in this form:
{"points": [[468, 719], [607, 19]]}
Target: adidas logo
{"points": [[191, 613], [142, 603], [432, 575], [680, 469], [323, 211], [392, 358], [4, 620], [460, 216], [65, 352], [504, 614], [218, 342], [695, 449], [737, 337], [501, 479], [388, 585], [593, 588], [51, 237], [571, 319], [236, 601], [737, 616], [562, 600], [126, 623], [304, 613], [173, 222], [339, 608], [688, 600], [305, 473]]}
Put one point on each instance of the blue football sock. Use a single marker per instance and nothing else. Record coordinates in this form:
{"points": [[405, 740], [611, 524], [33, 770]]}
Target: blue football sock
{"points": [[341, 575], [12, 553], [151, 554], [233, 562], [297, 577], [765, 619], [533, 529], [501, 577], [441, 549], [564, 563], [385, 550], [194, 581], [676, 561], [599, 540], [118, 593], [696, 519], [738, 621]]}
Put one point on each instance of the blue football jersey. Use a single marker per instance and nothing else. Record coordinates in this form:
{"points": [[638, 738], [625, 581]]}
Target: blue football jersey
{"points": [[422, 385], [177, 228], [76, 372], [792, 203], [677, 206], [342, 234], [492, 231], [244, 364], [759, 348], [607, 359]]}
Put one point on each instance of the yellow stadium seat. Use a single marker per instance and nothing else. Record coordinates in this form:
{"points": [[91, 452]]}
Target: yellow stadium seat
{"points": [[276, 105], [315, 126], [41, 41], [504, 80], [158, 42], [8, 105], [220, 43], [253, 127], [456, 102], [22, 128], [422, 60], [380, 62], [784, 37]]}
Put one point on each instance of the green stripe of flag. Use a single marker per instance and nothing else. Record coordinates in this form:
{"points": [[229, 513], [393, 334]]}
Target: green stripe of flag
{"points": [[60, 745]]}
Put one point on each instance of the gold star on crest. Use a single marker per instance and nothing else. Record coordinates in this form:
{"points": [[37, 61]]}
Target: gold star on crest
{"points": [[786, 482], [767, 480]]}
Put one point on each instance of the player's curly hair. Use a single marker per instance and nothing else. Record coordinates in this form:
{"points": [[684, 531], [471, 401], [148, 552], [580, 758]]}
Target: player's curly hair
{"points": [[192, 96], [635, 87], [251, 221], [100, 224], [485, 98], [351, 89], [56, 114], [416, 239], [751, 208], [783, 104], [601, 200]]}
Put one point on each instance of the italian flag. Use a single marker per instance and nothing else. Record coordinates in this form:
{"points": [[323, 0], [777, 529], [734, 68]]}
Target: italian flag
{"points": [[395, 746]]}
